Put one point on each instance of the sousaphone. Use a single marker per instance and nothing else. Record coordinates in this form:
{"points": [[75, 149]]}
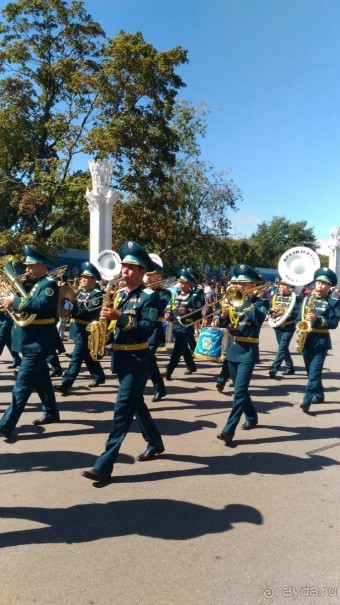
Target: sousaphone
{"points": [[296, 267], [109, 264]]}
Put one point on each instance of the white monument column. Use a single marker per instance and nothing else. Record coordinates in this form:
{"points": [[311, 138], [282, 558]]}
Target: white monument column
{"points": [[100, 201], [334, 251]]}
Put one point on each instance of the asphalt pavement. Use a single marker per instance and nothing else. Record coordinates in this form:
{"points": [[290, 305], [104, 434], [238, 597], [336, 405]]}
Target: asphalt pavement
{"points": [[251, 524]]}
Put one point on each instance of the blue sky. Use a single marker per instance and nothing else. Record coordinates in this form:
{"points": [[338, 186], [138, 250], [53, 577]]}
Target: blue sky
{"points": [[269, 71]]}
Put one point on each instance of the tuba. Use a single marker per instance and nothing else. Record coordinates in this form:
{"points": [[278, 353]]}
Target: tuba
{"points": [[297, 266], [10, 284], [280, 312]]}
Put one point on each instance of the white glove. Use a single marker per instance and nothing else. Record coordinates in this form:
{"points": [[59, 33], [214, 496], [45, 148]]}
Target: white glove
{"points": [[68, 306]]}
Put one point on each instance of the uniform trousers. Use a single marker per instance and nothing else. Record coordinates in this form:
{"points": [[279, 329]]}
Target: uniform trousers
{"points": [[81, 354], [181, 347], [224, 374], [33, 375], [314, 362], [240, 374], [133, 372], [6, 341], [283, 339], [155, 375]]}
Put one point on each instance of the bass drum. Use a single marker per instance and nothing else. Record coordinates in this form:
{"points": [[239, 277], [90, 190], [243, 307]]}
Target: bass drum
{"points": [[212, 344]]}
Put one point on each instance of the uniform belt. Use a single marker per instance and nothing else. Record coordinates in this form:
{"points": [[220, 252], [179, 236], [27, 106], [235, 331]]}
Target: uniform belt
{"points": [[135, 347], [320, 330], [3, 310], [80, 321], [244, 339], [42, 322]]}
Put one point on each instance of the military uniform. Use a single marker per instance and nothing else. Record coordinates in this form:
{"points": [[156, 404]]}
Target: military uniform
{"points": [[139, 309], [284, 334], [86, 310], [156, 340], [318, 342], [244, 324], [184, 303], [35, 341]]}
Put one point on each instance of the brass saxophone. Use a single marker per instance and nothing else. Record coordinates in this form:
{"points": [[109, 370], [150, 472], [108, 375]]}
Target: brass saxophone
{"points": [[10, 284], [98, 328], [304, 326]]}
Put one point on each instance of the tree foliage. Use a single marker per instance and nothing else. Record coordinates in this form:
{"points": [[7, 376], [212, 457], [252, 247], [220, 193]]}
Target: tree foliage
{"points": [[273, 238], [66, 89]]}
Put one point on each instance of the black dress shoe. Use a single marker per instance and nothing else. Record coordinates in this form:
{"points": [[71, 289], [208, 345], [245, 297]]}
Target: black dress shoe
{"points": [[149, 455], [12, 366], [224, 437], [167, 376], [187, 372], [96, 475], [248, 425], [305, 407], [219, 387], [55, 373], [5, 432], [61, 389], [317, 399], [46, 419], [96, 383], [288, 372], [158, 396], [272, 373]]}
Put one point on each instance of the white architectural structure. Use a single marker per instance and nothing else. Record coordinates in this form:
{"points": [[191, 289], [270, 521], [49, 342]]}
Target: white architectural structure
{"points": [[100, 201], [334, 250]]}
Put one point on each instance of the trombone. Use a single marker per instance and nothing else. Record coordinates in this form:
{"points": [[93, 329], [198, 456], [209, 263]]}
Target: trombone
{"points": [[234, 296]]}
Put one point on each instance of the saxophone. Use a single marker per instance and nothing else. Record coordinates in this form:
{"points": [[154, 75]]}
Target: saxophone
{"points": [[98, 328], [304, 326]]}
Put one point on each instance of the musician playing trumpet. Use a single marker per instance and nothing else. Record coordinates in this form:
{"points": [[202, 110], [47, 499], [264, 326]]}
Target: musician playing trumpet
{"points": [[244, 320], [322, 315], [283, 331], [86, 310]]}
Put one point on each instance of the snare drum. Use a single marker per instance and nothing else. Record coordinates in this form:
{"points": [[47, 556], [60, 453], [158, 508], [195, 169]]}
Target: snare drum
{"points": [[212, 344]]}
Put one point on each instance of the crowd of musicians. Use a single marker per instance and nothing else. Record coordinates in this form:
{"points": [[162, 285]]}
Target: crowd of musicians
{"points": [[127, 318]]}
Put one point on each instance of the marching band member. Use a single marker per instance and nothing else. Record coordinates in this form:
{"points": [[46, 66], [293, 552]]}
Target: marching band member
{"points": [[87, 309], [244, 322], [284, 332], [157, 337], [323, 313], [189, 299], [35, 341], [134, 316]]}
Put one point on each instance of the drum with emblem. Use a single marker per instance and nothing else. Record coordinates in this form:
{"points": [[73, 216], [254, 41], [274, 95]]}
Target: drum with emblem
{"points": [[212, 344]]}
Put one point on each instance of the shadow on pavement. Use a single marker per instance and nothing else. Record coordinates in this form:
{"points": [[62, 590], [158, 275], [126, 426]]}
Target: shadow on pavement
{"points": [[157, 518]]}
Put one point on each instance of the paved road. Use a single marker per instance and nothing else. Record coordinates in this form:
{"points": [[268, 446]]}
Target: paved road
{"points": [[256, 523]]}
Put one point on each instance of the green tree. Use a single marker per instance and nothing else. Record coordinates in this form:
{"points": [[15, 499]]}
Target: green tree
{"points": [[273, 238], [187, 215], [66, 89]]}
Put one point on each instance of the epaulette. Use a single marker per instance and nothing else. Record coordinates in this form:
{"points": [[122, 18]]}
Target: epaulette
{"points": [[148, 290]]}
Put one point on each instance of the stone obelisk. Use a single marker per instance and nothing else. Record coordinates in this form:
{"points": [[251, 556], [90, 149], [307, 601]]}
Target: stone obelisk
{"points": [[334, 251], [100, 201]]}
